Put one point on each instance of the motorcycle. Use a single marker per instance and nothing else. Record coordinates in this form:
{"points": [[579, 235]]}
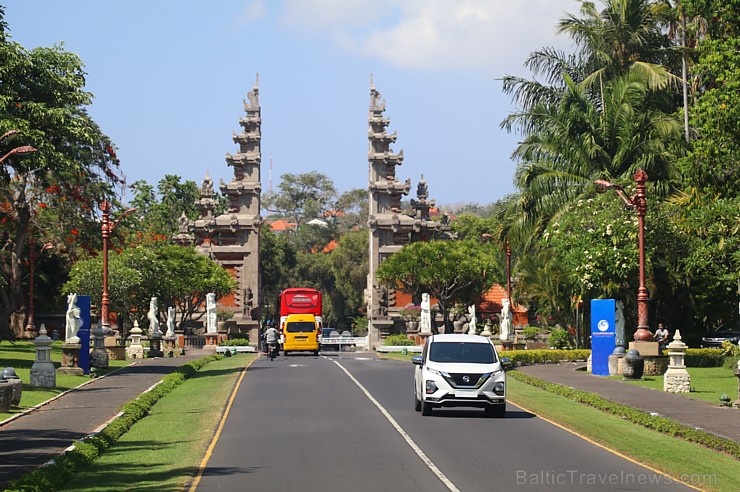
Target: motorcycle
{"points": [[272, 349]]}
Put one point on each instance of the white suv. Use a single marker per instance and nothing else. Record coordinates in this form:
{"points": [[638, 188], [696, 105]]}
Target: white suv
{"points": [[459, 370]]}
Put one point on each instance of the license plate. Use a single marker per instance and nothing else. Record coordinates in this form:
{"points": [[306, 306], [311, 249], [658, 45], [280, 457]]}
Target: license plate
{"points": [[301, 338], [465, 394]]}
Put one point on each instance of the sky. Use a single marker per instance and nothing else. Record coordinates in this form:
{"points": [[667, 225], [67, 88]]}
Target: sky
{"points": [[169, 79]]}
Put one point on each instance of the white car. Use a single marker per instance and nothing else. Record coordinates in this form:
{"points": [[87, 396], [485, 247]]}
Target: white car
{"points": [[459, 371]]}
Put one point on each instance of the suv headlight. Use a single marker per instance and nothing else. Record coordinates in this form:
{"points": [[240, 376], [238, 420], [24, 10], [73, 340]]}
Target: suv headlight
{"points": [[430, 387], [438, 373], [499, 388]]}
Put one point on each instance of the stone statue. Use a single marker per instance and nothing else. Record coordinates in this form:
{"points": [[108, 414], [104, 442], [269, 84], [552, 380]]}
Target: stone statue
{"points": [[619, 324], [153, 318], [473, 328], [426, 315], [74, 320], [248, 302], [170, 322], [211, 313], [505, 327]]}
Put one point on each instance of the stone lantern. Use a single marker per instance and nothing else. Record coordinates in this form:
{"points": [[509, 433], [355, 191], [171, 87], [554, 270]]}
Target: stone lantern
{"points": [[676, 378], [135, 350], [43, 374]]}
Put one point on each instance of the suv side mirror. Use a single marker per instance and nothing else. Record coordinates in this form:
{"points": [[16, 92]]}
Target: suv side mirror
{"points": [[417, 360], [507, 363]]}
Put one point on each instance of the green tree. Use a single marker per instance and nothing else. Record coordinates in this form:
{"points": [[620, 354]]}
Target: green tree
{"points": [[301, 197], [277, 263], [450, 271], [178, 276], [349, 265], [158, 211], [55, 190]]}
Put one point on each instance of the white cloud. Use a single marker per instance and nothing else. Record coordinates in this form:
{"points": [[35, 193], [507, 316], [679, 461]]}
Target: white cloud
{"points": [[488, 36], [254, 11]]}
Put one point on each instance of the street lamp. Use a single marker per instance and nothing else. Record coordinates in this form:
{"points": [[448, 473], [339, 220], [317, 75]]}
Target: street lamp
{"points": [[18, 151], [638, 201], [107, 227], [100, 355], [32, 255]]}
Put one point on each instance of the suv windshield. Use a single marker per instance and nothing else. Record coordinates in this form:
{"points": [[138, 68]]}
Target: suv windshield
{"points": [[476, 353]]}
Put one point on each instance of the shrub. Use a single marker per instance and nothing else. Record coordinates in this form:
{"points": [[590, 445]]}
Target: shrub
{"points": [[397, 340], [234, 342], [530, 332], [704, 357], [559, 339], [544, 356], [410, 312]]}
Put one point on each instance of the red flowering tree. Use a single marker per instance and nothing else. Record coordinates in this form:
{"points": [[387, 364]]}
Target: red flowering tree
{"points": [[55, 190]]}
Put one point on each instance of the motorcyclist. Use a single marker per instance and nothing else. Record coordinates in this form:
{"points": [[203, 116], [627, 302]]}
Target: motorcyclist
{"points": [[272, 336]]}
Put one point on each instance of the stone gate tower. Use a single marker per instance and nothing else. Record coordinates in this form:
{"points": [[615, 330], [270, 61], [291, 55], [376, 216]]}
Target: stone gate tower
{"points": [[232, 239], [390, 228]]}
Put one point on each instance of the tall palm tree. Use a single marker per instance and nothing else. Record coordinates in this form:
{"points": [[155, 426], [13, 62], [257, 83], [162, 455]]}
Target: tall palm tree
{"points": [[585, 137]]}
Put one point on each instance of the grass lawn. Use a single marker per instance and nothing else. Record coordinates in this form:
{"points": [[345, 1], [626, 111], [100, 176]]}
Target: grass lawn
{"points": [[163, 450], [20, 356], [707, 383], [682, 460]]}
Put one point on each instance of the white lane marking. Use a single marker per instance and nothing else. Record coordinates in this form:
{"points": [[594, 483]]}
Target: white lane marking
{"points": [[403, 433]]}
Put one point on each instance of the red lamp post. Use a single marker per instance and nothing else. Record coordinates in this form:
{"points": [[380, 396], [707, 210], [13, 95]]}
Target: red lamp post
{"points": [[638, 201], [107, 227], [32, 256]]}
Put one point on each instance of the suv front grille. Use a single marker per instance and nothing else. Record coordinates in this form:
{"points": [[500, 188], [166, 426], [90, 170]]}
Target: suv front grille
{"points": [[466, 380]]}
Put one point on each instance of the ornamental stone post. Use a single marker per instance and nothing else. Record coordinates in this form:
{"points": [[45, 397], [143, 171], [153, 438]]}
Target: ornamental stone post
{"points": [[676, 378]]}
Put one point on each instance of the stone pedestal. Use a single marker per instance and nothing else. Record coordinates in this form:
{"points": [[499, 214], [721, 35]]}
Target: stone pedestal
{"points": [[736, 404], [113, 346], [11, 377], [616, 364], [168, 346], [645, 348], [655, 365], [6, 396], [70, 358], [155, 347]]}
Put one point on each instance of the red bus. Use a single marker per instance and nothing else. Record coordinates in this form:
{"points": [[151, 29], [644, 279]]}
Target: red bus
{"points": [[300, 300]]}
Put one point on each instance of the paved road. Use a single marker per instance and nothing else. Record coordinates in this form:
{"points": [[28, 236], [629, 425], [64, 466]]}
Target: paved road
{"points": [[342, 422]]}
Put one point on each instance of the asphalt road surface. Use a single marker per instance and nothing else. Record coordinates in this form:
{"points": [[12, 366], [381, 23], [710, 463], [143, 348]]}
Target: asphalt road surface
{"points": [[346, 423]]}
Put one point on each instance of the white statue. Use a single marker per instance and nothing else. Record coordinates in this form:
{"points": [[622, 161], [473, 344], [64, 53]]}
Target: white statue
{"points": [[153, 318], [210, 312], [505, 326], [74, 320], [473, 328], [426, 315], [170, 322]]}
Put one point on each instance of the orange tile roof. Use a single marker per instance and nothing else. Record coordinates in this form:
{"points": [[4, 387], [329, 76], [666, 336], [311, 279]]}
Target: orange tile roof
{"points": [[281, 225]]}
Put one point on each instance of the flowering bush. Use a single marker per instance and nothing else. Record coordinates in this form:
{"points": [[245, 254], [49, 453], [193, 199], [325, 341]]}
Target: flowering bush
{"points": [[410, 312], [224, 313]]}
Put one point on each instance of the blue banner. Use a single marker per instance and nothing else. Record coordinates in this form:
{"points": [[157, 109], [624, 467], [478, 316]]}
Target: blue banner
{"points": [[603, 335], [83, 359]]}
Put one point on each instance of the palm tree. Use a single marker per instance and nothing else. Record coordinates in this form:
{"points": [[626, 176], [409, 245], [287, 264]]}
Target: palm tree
{"points": [[584, 138]]}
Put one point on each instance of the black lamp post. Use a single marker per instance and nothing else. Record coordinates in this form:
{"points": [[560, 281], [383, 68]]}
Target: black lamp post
{"points": [[638, 201]]}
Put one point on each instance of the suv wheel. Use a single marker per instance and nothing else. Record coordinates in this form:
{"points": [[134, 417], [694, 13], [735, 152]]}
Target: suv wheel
{"points": [[498, 411], [426, 409]]}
